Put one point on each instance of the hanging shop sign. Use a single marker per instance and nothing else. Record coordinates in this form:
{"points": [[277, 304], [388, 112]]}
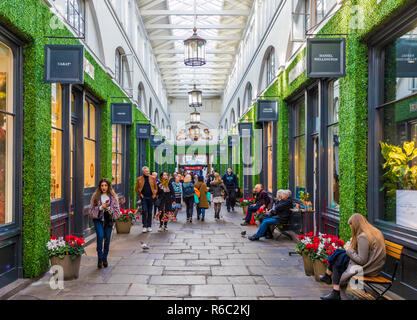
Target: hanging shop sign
{"points": [[406, 58], [143, 131], [64, 64], [121, 113], [233, 141], [267, 110], [326, 58], [156, 140], [246, 130]]}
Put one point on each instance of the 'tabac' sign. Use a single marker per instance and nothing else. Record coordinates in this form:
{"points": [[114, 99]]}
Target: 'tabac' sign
{"points": [[64, 64]]}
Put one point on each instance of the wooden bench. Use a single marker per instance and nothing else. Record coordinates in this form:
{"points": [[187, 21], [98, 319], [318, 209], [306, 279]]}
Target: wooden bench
{"points": [[393, 250]]}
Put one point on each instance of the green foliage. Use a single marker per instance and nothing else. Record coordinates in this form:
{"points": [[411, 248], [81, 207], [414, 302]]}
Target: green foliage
{"points": [[398, 174]]}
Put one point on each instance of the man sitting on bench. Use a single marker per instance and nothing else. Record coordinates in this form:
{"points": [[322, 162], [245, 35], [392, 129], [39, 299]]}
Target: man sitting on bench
{"points": [[280, 214]]}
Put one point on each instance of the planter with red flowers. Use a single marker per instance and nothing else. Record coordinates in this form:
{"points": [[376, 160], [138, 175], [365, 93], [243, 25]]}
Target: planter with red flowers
{"points": [[125, 221], [315, 250], [245, 203], [66, 253], [260, 214]]}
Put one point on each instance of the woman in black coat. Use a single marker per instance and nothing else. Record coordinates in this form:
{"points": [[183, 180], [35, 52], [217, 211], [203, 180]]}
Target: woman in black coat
{"points": [[166, 199]]}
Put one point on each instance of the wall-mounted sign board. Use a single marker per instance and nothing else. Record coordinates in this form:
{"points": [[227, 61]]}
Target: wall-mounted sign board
{"points": [[143, 131], [156, 140], [267, 110], [326, 58], [64, 64], [121, 113], [233, 141], [406, 58], [246, 130]]}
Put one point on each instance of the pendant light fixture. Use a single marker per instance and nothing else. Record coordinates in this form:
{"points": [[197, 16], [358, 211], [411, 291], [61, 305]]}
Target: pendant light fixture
{"points": [[195, 98], [195, 117], [195, 47]]}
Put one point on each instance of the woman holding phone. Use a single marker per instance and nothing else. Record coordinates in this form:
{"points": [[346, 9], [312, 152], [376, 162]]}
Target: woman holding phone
{"points": [[104, 210]]}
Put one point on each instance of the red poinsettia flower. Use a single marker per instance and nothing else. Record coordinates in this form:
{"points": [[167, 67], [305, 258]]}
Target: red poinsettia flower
{"points": [[52, 238]]}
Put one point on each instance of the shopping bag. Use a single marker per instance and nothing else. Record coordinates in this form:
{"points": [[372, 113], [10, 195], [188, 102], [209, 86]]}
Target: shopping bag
{"points": [[208, 196], [196, 199]]}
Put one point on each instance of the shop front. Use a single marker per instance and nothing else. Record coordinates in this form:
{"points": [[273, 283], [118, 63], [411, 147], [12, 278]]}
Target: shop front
{"points": [[11, 132], [392, 120]]}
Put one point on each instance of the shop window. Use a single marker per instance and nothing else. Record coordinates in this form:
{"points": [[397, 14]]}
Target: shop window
{"points": [[299, 147], [398, 114], [117, 155], [56, 142], [333, 142], [7, 119], [89, 145], [75, 15], [270, 66], [269, 156]]}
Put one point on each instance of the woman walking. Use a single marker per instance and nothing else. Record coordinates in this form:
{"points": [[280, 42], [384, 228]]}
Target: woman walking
{"points": [[365, 252], [218, 190], [203, 203], [166, 195], [104, 210], [188, 195], [176, 184]]}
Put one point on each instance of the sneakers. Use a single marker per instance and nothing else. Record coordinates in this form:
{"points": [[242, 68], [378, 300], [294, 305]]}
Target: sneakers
{"points": [[253, 238], [161, 229], [334, 295], [166, 228], [326, 279], [149, 229], [145, 230], [244, 224]]}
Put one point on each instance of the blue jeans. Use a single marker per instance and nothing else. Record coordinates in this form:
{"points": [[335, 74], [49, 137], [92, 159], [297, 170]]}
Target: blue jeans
{"points": [[264, 226], [103, 233], [251, 210], [201, 211], [147, 204]]}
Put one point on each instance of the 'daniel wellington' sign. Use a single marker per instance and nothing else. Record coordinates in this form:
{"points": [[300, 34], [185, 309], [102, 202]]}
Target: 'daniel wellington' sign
{"points": [[64, 64], [326, 58]]}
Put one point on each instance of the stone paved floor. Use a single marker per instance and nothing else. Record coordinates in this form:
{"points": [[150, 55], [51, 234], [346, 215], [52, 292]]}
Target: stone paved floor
{"points": [[203, 260]]}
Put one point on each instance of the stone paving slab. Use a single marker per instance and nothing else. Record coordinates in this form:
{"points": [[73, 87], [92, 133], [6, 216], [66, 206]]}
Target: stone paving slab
{"points": [[158, 290], [177, 280], [212, 290]]}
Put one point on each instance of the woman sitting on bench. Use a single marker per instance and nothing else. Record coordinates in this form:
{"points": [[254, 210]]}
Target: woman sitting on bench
{"points": [[365, 252], [279, 214]]}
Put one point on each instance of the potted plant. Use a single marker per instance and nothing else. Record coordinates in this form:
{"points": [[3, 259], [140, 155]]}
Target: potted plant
{"points": [[300, 248], [400, 181], [124, 222], [307, 205], [67, 254], [245, 203], [260, 213]]}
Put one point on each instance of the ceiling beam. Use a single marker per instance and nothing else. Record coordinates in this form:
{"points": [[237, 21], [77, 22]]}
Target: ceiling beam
{"points": [[173, 51], [151, 4], [179, 59], [199, 27], [211, 38], [167, 72], [185, 69], [192, 13]]}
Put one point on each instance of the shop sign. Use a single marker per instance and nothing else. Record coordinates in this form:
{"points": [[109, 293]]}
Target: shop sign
{"points": [[407, 58], [267, 110], [413, 107], [326, 58], [143, 131], [64, 64], [121, 113], [156, 140], [407, 208], [233, 141], [246, 130]]}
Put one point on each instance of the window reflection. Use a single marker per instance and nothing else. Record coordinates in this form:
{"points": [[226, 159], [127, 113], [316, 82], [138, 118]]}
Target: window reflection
{"points": [[56, 142], [333, 142]]}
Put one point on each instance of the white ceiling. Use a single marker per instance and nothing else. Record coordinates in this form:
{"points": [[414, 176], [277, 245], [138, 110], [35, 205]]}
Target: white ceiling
{"points": [[170, 22]]}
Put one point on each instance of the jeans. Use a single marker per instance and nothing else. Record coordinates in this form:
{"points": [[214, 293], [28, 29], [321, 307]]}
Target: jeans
{"points": [[103, 233], [189, 202], [147, 216], [155, 208], [336, 273], [231, 199], [264, 226], [251, 210], [201, 211]]}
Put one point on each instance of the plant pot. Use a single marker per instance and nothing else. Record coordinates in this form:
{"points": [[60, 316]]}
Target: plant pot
{"points": [[244, 208], [123, 227], [70, 267], [319, 269], [308, 264]]}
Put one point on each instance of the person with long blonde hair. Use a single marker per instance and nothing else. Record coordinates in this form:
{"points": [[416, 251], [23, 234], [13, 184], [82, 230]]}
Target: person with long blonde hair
{"points": [[218, 190], [365, 253], [188, 196]]}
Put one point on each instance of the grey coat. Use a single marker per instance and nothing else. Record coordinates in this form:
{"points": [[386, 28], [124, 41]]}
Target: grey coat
{"points": [[371, 261]]}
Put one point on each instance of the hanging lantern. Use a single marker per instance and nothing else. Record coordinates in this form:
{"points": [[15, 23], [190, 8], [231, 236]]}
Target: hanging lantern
{"points": [[195, 117], [195, 98], [195, 133], [195, 51]]}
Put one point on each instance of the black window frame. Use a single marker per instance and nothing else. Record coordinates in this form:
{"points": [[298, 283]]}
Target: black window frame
{"points": [[72, 12], [376, 45]]}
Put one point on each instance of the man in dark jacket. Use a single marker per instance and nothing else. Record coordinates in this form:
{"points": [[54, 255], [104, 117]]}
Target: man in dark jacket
{"points": [[280, 214], [232, 185], [262, 201]]}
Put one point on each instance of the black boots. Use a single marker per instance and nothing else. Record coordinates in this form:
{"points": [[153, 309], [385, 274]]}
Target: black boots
{"points": [[202, 219], [105, 263], [326, 279], [100, 263], [253, 238], [334, 295]]}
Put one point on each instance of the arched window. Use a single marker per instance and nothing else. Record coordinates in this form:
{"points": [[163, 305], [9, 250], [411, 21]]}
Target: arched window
{"points": [[238, 108], [122, 71], [232, 117], [270, 65], [226, 126], [75, 15], [141, 97], [156, 118], [150, 109], [249, 95]]}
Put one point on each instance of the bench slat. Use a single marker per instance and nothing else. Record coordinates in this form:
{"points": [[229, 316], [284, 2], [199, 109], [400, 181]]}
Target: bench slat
{"points": [[378, 279]]}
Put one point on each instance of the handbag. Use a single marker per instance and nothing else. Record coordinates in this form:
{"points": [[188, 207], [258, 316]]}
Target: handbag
{"points": [[196, 199], [208, 196], [158, 202]]}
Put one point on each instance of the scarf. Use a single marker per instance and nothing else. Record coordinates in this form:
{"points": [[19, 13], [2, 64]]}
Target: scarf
{"points": [[165, 183]]}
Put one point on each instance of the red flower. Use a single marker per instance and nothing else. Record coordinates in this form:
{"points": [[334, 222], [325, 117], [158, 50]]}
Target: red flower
{"points": [[52, 238], [67, 239]]}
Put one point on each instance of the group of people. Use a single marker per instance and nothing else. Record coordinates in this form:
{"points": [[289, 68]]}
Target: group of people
{"points": [[365, 252]]}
